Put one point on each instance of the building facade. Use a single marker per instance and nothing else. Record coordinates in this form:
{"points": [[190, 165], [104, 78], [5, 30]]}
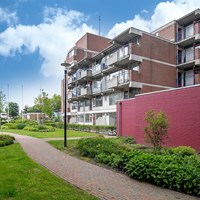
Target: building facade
{"points": [[103, 71]]}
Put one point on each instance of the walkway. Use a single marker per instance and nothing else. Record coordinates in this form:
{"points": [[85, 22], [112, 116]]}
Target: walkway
{"points": [[103, 183]]}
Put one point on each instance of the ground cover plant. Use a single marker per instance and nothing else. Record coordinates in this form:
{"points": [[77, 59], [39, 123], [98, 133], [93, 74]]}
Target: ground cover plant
{"points": [[175, 168], [21, 178]]}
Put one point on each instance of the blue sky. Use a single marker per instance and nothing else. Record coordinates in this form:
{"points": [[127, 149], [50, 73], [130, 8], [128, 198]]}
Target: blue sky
{"points": [[36, 35]]}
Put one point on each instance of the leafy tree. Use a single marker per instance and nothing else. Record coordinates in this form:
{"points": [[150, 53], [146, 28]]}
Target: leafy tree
{"points": [[156, 130], [13, 109], [43, 104], [32, 109], [2, 101], [56, 103]]}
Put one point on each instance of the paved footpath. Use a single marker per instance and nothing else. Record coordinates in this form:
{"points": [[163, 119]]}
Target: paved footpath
{"points": [[103, 183]]}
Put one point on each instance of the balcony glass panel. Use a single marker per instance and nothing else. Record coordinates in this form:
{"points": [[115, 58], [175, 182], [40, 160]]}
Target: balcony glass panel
{"points": [[97, 86], [96, 68], [189, 31]]}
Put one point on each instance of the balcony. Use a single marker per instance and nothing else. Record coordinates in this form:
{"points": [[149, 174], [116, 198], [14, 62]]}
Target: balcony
{"points": [[86, 74], [96, 70], [118, 81], [112, 58], [112, 83], [122, 57], [186, 59], [86, 91]]}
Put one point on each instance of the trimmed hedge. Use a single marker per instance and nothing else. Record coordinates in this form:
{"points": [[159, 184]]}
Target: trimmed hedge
{"points": [[6, 140], [91, 128], [167, 168], [39, 128]]}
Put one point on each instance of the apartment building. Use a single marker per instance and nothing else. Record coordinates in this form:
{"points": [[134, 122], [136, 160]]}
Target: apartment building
{"points": [[103, 71], [185, 33]]}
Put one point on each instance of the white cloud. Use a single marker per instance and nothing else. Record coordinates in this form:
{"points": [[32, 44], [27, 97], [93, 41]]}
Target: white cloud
{"points": [[52, 38], [163, 13], [9, 17]]}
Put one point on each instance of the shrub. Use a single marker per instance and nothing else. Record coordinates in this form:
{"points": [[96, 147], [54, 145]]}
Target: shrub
{"points": [[127, 140], [91, 147], [168, 171], [10, 125], [31, 128], [6, 140], [156, 130], [20, 125], [183, 151]]}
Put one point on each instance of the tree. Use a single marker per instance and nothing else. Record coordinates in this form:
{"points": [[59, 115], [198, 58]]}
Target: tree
{"points": [[156, 130], [2, 101], [32, 109], [56, 103], [13, 109], [43, 104]]}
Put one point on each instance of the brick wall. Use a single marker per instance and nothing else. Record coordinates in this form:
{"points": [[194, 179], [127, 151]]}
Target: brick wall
{"points": [[155, 48], [182, 106], [168, 32]]}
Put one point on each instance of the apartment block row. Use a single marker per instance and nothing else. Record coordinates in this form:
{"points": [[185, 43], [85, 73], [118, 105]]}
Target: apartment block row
{"points": [[103, 71]]}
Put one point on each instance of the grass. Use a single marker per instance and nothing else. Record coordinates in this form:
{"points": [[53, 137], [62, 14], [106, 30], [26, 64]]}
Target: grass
{"points": [[56, 134], [21, 178]]}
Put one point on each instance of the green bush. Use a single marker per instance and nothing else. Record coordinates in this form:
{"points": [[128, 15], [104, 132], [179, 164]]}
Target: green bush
{"points": [[30, 128], [91, 147], [156, 131], [10, 125], [127, 140], [59, 124], [20, 126], [162, 167], [6, 140], [183, 151], [168, 171]]}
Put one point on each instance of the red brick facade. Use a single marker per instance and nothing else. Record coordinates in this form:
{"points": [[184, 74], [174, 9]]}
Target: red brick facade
{"points": [[181, 106]]}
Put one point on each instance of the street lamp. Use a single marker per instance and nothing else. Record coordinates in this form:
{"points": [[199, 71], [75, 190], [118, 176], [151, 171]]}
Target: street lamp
{"points": [[66, 65]]}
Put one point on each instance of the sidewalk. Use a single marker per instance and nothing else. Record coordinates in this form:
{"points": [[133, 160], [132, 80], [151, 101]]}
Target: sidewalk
{"points": [[103, 183]]}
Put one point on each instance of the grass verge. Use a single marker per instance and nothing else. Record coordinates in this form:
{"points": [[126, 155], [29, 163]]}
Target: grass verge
{"points": [[58, 133], [21, 178]]}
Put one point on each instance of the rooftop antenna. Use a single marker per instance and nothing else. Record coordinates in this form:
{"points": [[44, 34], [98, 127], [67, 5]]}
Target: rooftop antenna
{"points": [[99, 25]]}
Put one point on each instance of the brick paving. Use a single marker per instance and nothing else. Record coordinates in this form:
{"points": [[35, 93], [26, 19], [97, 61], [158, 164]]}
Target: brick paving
{"points": [[103, 183]]}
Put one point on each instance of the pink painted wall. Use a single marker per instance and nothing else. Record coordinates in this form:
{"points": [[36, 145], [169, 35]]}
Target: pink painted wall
{"points": [[182, 106]]}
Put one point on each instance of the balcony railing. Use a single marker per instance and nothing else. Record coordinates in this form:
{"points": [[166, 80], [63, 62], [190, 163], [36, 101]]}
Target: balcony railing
{"points": [[86, 91], [86, 73], [118, 81]]}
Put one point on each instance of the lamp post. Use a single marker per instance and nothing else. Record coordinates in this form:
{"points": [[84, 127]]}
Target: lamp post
{"points": [[66, 65]]}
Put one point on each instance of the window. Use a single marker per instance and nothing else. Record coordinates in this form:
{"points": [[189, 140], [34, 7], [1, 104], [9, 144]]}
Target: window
{"points": [[189, 77], [81, 118], [189, 31], [87, 118], [81, 103], [72, 53], [98, 101], [136, 68], [87, 102], [97, 86], [114, 97], [74, 105], [126, 94]]}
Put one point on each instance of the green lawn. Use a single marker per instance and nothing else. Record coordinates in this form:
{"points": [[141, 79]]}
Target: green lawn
{"points": [[56, 134], [21, 178]]}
